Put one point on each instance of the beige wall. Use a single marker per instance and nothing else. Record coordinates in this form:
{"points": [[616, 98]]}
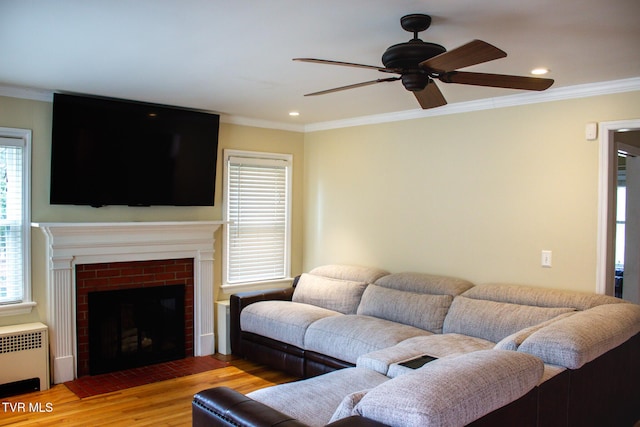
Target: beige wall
{"points": [[476, 195], [36, 115]]}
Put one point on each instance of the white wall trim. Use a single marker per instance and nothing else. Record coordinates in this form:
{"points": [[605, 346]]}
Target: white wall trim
{"points": [[26, 93], [605, 246]]}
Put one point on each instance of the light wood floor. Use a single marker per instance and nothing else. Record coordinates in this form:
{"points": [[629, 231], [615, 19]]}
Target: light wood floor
{"points": [[166, 403]]}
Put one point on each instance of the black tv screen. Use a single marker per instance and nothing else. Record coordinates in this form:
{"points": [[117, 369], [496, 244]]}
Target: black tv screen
{"points": [[116, 152]]}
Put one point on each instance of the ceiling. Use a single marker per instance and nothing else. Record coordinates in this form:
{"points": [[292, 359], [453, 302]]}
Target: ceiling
{"points": [[235, 57]]}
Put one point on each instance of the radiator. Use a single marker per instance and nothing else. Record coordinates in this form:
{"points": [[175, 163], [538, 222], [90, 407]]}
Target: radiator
{"points": [[24, 354]]}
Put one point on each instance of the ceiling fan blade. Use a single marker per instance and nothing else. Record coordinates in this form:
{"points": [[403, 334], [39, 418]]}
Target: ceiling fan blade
{"points": [[496, 80], [322, 92], [472, 53], [347, 64], [430, 96]]}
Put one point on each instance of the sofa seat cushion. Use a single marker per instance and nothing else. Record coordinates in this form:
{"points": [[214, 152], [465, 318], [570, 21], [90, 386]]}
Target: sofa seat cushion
{"points": [[494, 321], [452, 391], [283, 321], [423, 311], [436, 345], [313, 401], [349, 336]]}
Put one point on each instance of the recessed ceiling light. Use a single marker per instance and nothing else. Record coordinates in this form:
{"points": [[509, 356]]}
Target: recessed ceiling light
{"points": [[539, 71], [294, 113]]}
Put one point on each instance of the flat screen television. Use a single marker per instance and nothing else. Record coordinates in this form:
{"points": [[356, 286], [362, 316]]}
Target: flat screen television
{"points": [[117, 152]]}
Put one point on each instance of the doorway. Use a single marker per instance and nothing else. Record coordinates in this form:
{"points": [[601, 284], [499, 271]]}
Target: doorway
{"points": [[619, 210]]}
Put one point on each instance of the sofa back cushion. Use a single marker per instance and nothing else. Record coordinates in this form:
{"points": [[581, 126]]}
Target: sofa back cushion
{"points": [[422, 283], [342, 296], [493, 321], [423, 311], [354, 273], [540, 297]]}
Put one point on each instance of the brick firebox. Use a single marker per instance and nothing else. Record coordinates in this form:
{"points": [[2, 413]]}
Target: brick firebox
{"points": [[128, 275]]}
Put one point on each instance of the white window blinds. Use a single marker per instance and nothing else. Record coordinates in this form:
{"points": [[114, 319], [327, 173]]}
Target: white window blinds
{"points": [[12, 221], [257, 209]]}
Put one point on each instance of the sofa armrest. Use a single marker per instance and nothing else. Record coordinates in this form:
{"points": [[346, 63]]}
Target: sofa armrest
{"points": [[223, 406], [356, 421], [237, 302], [576, 340]]}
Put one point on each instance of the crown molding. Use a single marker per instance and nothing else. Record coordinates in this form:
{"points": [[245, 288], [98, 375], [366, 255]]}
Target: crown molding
{"points": [[555, 94], [246, 121], [26, 93]]}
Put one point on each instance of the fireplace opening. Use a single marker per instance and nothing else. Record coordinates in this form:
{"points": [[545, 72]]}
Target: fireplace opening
{"points": [[135, 327]]}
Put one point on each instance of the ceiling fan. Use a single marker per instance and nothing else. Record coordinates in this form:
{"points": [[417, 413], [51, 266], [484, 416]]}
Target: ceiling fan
{"points": [[420, 63]]}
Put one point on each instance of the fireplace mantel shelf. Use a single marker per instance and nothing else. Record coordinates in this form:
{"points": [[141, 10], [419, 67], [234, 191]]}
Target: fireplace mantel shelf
{"points": [[70, 244], [124, 224]]}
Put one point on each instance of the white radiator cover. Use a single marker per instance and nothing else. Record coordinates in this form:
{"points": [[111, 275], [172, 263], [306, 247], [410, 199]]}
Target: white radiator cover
{"points": [[24, 353]]}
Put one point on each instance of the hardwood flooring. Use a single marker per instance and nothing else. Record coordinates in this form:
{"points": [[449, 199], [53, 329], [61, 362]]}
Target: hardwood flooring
{"points": [[165, 403]]}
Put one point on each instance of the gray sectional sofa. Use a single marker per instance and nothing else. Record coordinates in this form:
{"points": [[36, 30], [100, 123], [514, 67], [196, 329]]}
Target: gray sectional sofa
{"points": [[498, 354]]}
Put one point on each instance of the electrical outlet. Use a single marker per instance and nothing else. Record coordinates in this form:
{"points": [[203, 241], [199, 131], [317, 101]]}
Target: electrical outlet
{"points": [[546, 259]]}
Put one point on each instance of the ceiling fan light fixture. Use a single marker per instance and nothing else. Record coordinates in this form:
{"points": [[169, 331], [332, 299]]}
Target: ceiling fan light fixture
{"points": [[414, 82]]}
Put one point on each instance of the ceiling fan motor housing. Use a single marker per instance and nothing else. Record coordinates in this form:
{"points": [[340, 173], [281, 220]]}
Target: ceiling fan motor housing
{"points": [[406, 57]]}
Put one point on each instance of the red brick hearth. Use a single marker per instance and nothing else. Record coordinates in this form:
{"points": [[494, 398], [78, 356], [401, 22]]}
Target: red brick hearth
{"points": [[128, 275]]}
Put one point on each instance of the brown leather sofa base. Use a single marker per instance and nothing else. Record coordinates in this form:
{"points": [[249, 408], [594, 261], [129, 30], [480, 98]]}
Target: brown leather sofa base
{"points": [[317, 364], [278, 355]]}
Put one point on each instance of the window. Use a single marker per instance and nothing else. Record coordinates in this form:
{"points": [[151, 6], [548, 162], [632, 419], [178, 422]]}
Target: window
{"points": [[257, 206], [620, 226], [15, 157]]}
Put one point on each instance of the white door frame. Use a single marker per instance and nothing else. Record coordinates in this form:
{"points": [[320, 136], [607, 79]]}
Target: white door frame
{"points": [[606, 203]]}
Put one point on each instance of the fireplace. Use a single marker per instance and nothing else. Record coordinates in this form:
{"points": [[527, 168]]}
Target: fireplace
{"points": [[70, 245], [115, 289], [129, 328]]}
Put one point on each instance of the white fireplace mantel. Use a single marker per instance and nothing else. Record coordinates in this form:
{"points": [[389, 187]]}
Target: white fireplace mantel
{"points": [[71, 244]]}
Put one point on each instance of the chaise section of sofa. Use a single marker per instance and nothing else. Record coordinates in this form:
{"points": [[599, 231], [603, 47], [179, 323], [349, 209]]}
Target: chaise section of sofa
{"points": [[450, 392]]}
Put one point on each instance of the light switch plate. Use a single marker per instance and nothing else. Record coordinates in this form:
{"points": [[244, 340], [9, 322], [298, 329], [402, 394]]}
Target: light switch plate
{"points": [[591, 131]]}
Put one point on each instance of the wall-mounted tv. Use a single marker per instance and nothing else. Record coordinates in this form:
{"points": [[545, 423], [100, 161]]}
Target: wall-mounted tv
{"points": [[117, 152]]}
